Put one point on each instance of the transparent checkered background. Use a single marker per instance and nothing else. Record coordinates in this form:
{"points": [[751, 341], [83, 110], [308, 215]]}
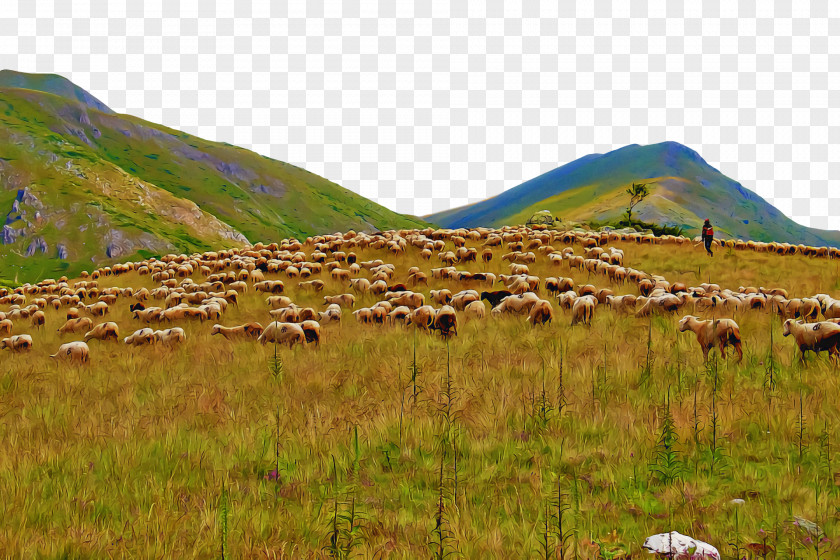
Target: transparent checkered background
{"points": [[428, 105]]}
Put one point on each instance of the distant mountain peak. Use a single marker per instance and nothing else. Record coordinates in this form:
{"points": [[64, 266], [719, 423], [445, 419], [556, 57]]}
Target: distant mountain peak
{"points": [[51, 83], [687, 189]]}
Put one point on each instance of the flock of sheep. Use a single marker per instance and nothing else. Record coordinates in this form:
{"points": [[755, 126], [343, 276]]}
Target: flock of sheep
{"points": [[201, 287]]}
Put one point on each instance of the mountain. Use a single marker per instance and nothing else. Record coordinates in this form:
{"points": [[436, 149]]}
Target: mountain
{"points": [[684, 190], [81, 185]]}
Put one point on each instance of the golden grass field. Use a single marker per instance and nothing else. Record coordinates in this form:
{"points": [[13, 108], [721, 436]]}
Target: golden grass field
{"points": [[155, 453]]}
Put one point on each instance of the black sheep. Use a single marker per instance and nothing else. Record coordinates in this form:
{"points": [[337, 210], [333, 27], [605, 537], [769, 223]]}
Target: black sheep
{"points": [[495, 298]]}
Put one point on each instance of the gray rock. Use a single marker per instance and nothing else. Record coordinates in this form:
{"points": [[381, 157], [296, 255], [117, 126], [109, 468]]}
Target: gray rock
{"points": [[37, 244], [9, 235], [62, 252]]}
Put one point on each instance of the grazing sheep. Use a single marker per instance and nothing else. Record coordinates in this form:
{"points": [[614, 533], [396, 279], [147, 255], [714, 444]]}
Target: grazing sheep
{"points": [[104, 331], [171, 336], [343, 300], [79, 324], [286, 314], [73, 352], [248, 330], [311, 331], [278, 302], [399, 315], [363, 315], [622, 304], [274, 286], [409, 299], [583, 309], [423, 317], [282, 333], [17, 343], [711, 333], [475, 310], [445, 321], [140, 337], [817, 337], [38, 319], [98, 309], [332, 313], [517, 304], [149, 314], [441, 297], [495, 298], [541, 313], [6, 326]]}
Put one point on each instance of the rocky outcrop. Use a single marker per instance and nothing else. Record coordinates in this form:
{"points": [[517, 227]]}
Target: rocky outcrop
{"points": [[9, 235], [37, 244]]}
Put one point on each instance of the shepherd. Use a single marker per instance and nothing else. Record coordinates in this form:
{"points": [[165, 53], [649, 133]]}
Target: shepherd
{"points": [[708, 235]]}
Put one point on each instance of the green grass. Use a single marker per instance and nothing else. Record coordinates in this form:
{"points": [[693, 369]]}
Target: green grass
{"points": [[128, 457], [131, 182]]}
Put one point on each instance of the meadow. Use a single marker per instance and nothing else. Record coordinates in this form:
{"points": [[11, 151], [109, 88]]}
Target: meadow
{"points": [[507, 441]]}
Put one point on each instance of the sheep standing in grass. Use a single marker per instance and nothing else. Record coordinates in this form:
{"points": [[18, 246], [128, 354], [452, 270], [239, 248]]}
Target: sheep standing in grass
{"points": [[170, 337], [17, 343], [73, 352], [711, 333], [103, 332], [541, 313], [817, 337], [475, 310], [282, 333], [583, 309], [248, 330]]}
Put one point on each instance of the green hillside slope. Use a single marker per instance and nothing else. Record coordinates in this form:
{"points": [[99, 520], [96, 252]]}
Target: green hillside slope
{"points": [[80, 185]]}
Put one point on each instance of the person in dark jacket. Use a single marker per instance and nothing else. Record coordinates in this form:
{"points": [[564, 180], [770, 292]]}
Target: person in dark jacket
{"points": [[708, 235]]}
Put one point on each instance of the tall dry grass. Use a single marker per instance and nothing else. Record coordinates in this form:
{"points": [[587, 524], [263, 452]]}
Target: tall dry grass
{"points": [[555, 431]]}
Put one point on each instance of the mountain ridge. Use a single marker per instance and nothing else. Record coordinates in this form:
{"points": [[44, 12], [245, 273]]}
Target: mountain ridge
{"points": [[685, 189], [82, 186]]}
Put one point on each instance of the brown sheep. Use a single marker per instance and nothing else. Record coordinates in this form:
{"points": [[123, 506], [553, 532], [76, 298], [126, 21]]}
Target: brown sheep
{"points": [[399, 315], [248, 330], [282, 333], [409, 299], [104, 331], [38, 319], [313, 285], [279, 302], [17, 343], [311, 331], [541, 313], [445, 321], [711, 333], [517, 304], [363, 315], [423, 317], [475, 310], [286, 314], [441, 297], [622, 304], [73, 352], [270, 286], [583, 310], [79, 324], [6, 326], [344, 300], [817, 337], [140, 337], [170, 337], [98, 309]]}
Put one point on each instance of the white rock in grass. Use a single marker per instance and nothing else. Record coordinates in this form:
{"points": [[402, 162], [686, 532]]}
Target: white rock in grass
{"points": [[680, 546]]}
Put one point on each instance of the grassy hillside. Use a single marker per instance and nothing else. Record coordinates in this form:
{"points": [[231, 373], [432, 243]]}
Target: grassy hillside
{"points": [[108, 187], [685, 190], [149, 452]]}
